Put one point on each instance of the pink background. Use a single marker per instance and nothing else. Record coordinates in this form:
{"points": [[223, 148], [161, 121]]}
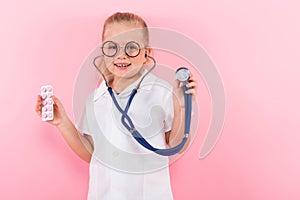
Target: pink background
{"points": [[255, 46]]}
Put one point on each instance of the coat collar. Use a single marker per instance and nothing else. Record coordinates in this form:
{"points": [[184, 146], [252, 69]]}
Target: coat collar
{"points": [[146, 84]]}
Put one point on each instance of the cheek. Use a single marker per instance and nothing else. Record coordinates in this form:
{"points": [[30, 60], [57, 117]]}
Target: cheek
{"points": [[108, 61], [139, 60], [137, 63]]}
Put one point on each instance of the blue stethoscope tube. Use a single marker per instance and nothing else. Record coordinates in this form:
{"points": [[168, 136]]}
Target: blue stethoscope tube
{"points": [[128, 124]]}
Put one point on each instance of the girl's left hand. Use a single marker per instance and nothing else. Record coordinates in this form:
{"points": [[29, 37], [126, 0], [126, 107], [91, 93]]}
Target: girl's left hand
{"points": [[178, 96]]}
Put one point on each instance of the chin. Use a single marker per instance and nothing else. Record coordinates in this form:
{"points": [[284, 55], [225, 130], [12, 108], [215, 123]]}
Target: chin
{"points": [[126, 72]]}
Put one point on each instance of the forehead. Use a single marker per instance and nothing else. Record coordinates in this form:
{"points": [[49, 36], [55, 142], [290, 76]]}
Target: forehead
{"points": [[123, 33]]}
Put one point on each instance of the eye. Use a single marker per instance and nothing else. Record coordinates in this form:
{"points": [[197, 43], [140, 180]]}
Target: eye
{"points": [[132, 47], [112, 47], [109, 48]]}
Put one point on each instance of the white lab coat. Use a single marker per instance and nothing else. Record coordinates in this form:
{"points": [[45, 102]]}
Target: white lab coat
{"points": [[120, 168]]}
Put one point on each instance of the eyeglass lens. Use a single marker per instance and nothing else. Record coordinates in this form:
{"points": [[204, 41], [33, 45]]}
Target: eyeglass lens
{"points": [[110, 49]]}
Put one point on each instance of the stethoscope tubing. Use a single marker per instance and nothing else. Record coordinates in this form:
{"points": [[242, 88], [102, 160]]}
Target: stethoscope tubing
{"points": [[130, 126]]}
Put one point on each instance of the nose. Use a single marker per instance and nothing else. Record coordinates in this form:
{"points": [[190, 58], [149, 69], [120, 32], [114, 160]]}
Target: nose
{"points": [[121, 53]]}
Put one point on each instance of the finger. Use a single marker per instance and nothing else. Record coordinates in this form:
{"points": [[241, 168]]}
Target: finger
{"points": [[191, 84], [192, 79], [57, 104], [191, 91], [39, 98], [38, 106], [38, 110], [38, 103], [39, 113], [176, 83], [56, 101]]}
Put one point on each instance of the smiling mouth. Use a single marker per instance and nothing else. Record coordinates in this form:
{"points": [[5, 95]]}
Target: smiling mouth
{"points": [[122, 66]]}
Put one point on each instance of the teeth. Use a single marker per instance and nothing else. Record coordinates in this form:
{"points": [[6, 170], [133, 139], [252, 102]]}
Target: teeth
{"points": [[122, 65]]}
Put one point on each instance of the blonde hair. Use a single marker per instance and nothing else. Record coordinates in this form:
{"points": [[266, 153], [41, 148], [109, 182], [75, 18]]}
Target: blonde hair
{"points": [[123, 18], [128, 18]]}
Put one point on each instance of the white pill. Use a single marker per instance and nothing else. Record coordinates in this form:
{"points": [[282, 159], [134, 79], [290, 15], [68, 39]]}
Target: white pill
{"points": [[49, 115], [50, 102], [44, 96], [44, 115], [49, 108], [44, 89]]}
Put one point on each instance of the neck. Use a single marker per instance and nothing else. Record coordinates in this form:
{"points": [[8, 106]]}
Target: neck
{"points": [[119, 83]]}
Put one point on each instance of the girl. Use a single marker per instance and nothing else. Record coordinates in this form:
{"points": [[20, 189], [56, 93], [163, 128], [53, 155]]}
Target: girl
{"points": [[125, 56]]}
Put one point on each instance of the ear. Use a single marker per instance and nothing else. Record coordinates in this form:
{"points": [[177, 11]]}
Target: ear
{"points": [[148, 52]]}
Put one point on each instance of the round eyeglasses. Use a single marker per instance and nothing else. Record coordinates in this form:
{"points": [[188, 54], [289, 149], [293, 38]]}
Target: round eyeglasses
{"points": [[110, 49]]}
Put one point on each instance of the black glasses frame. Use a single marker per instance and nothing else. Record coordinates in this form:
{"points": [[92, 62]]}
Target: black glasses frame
{"points": [[119, 47]]}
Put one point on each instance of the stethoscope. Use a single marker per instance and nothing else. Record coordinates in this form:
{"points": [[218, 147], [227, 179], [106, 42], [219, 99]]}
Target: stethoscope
{"points": [[182, 75]]}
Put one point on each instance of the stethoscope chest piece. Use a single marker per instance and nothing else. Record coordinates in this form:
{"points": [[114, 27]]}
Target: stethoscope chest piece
{"points": [[183, 74]]}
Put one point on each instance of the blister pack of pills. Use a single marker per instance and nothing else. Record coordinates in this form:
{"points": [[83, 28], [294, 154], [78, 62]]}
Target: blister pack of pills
{"points": [[47, 103]]}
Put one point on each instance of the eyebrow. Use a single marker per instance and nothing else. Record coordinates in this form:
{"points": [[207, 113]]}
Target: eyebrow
{"points": [[124, 44]]}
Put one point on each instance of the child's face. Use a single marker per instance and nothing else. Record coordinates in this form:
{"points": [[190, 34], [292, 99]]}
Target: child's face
{"points": [[122, 65]]}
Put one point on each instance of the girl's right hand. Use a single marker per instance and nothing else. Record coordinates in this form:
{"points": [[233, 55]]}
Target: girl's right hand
{"points": [[60, 115]]}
